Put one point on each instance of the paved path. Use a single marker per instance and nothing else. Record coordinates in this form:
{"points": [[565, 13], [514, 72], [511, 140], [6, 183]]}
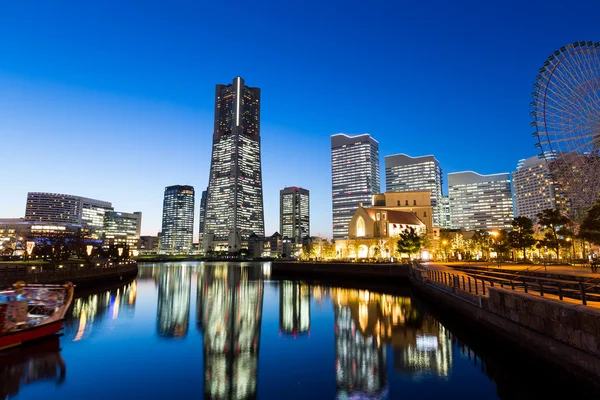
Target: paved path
{"points": [[563, 270], [552, 269]]}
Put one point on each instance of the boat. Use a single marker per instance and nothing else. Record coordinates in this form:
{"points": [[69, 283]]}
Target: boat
{"points": [[30, 312]]}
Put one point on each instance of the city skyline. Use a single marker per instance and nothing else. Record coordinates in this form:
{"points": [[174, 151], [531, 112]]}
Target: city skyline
{"points": [[66, 99]]}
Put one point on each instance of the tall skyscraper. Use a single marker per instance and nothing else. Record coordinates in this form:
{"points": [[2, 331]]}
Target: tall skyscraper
{"points": [[294, 213], [446, 221], [202, 217], [404, 173], [480, 201], [178, 219], [534, 188], [234, 204], [122, 228], [354, 177]]}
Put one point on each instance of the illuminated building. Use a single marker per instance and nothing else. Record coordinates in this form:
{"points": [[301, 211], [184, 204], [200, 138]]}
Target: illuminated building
{"points": [[416, 202], [446, 218], [173, 311], [534, 188], [294, 308], [294, 213], [231, 302], [64, 208], [122, 228], [202, 217], [354, 177], [405, 174], [480, 201], [234, 204], [177, 219]]}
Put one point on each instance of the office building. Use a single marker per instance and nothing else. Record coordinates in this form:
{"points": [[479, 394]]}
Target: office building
{"points": [[178, 219], [354, 177], [480, 201], [446, 218], [149, 244], [534, 188], [404, 174], [202, 216], [294, 213], [121, 228], [67, 209], [234, 204]]}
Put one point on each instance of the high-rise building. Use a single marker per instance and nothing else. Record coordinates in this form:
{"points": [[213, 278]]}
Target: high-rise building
{"points": [[202, 217], [178, 219], [234, 204], [534, 188], [404, 173], [354, 177], [446, 219], [122, 228], [294, 213], [67, 209], [480, 201]]}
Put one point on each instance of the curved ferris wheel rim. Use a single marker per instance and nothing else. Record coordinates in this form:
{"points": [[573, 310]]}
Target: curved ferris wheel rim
{"points": [[566, 113]]}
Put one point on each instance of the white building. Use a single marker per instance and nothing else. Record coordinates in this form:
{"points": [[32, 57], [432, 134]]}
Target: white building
{"points": [[480, 201]]}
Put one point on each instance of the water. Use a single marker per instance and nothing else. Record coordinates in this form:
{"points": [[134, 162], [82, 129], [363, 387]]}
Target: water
{"points": [[191, 330]]}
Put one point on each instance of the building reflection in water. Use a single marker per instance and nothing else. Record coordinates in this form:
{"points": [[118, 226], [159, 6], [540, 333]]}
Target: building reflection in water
{"points": [[32, 364], [88, 311], [365, 322], [294, 308], [174, 284], [230, 301]]}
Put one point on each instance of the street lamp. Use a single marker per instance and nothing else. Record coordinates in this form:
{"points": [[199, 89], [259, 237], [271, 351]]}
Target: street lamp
{"points": [[444, 243], [495, 235]]}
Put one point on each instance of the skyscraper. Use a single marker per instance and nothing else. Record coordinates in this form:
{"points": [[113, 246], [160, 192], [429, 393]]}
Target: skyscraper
{"points": [[354, 177], [234, 204], [404, 173], [294, 213], [534, 188], [178, 219], [480, 201], [202, 217], [122, 228]]}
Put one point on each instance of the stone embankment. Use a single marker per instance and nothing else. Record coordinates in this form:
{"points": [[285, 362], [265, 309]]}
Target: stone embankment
{"points": [[81, 274], [565, 332], [387, 272]]}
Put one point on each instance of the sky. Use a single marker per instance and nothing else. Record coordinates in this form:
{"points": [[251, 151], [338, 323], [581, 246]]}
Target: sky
{"points": [[114, 100]]}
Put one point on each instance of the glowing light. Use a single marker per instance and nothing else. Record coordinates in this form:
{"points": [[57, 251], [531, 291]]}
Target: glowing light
{"points": [[237, 112], [88, 249], [30, 246]]}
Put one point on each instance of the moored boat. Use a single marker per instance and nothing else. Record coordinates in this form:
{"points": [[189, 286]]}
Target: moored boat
{"points": [[31, 312]]}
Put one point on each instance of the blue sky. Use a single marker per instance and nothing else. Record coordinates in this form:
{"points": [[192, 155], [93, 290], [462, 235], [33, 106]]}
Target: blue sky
{"points": [[114, 99]]}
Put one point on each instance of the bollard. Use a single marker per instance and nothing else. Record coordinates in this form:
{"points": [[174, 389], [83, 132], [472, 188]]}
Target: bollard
{"points": [[541, 289], [512, 284], [582, 290], [501, 284]]}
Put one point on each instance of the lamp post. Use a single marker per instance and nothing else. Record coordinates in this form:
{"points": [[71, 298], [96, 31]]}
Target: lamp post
{"points": [[495, 237], [570, 253], [444, 243]]}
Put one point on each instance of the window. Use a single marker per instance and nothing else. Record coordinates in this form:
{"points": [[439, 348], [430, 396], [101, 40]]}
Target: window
{"points": [[406, 203], [398, 202], [383, 216], [360, 227], [414, 202], [424, 213], [377, 216]]}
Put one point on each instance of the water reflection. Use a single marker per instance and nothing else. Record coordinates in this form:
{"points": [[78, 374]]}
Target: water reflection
{"points": [[88, 311], [365, 322], [32, 364], [294, 308], [230, 302], [173, 311]]}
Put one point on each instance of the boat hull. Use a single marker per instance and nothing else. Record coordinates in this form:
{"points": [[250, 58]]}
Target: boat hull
{"points": [[17, 338]]}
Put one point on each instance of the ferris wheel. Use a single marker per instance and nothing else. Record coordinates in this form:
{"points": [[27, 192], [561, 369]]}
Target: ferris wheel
{"points": [[566, 118]]}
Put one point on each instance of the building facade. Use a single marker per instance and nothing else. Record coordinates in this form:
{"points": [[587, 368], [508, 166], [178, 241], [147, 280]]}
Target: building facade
{"points": [[446, 219], [534, 188], [480, 201], [234, 204], [354, 177], [178, 219], [294, 213], [202, 217], [121, 228], [404, 174]]}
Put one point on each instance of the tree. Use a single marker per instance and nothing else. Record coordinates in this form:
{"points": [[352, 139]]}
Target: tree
{"points": [[481, 242], [521, 237], [355, 246], [410, 242], [501, 244], [554, 225], [590, 226]]}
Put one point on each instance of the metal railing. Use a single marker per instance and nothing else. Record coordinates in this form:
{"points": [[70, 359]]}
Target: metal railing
{"points": [[479, 285]]}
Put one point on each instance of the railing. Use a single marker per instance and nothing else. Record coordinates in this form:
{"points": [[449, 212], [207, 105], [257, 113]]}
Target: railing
{"points": [[479, 285]]}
